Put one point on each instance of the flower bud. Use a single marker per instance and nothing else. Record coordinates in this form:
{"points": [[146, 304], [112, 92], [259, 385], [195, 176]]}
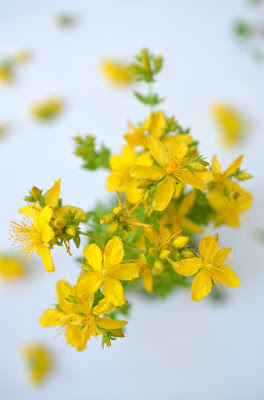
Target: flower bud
{"points": [[117, 210], [242, 176], [198, 166], [145, 61], [186, 253], [60, 223], [36, 192], [158, 268], [107, 219], [180, 242], [164, 254], [71, 231]]}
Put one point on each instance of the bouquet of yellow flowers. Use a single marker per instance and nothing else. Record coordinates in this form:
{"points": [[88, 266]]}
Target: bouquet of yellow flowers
{"points": [[165, 192]]}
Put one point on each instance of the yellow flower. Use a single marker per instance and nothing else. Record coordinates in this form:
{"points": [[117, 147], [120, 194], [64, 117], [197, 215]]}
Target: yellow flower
{"points": [[22, 56], [39, 362], [173, 162], [47, 108], [2, 128], [32, 236], [79, 317], [117, 72], [230, 123], [120, 178], [52, 199], [6, 72], [10, 267], [176, 215], [225, 196], [106, 269], [210, 266], [229, 201], [155, 125]]}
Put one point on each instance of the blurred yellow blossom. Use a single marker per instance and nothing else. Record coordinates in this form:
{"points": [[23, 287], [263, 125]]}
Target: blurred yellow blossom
{"points": [[22, 56], [116, 72], [2, 128], [231, 123], [47, 108], [10, 267], [38, 361], [6, 72]]}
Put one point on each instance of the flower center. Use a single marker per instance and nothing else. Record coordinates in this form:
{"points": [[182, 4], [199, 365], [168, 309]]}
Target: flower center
{"points": [[171, 167]]}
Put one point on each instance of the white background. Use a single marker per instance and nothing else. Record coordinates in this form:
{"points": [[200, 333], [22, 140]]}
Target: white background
{"points": [[174, 349]]}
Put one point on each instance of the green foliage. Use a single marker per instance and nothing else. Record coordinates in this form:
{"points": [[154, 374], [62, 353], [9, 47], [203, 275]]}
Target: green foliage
{"points": [[168, 281], [93, 159], [201, 211]]}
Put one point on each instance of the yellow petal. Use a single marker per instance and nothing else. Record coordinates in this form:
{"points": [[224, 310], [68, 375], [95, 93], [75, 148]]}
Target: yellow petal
{"points": [[208, 248], [113, 291], [124, 272], [226, 276], [94, 256], [215, 165], [186, 176], [145, 172], [45, 254], [43, 218], [52, 195], [178, 150], [128, 155], [64, 210], [29, 210], [221, 255], [234, 166], [158, 150], [147, 280], [202, 285], [75, 337], [103, 307], [108, 323], [85, 304], [116, 162], [191, 226], [88, 283], [164, 193], [64, 290], [188, 266], [157, 124], [47, 234], [187, 203], [51, 317], [114, 252]]}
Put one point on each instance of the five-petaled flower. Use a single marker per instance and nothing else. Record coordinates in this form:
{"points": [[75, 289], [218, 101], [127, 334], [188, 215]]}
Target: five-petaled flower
{"points": [[173, 170], [79, 317], [107, 269], [210, 266]]}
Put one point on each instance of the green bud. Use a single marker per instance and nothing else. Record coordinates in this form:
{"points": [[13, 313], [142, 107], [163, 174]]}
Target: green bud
{"points": [[60, 223], [71, 231]]}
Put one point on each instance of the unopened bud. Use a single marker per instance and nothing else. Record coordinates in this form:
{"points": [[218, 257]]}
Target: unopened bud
{"points": [[107, 219], [71, 231], [198, 166], [36, 192], [164, 254], [117, 210], [158, 268], [186, 253], [180, 242], [145, 61], [242, 176], [60, 223]]}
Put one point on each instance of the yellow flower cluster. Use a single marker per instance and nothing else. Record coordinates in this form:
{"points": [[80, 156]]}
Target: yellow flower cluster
{"points": [[166, 191]]}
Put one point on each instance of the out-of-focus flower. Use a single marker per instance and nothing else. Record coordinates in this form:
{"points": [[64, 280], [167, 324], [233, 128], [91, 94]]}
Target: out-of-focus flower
{"points": [[65, 20], [6, 72], [39, 362], [10, 267], [230, 122], [22, 57], [117, 72], [2, 128], [47, 108]]}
